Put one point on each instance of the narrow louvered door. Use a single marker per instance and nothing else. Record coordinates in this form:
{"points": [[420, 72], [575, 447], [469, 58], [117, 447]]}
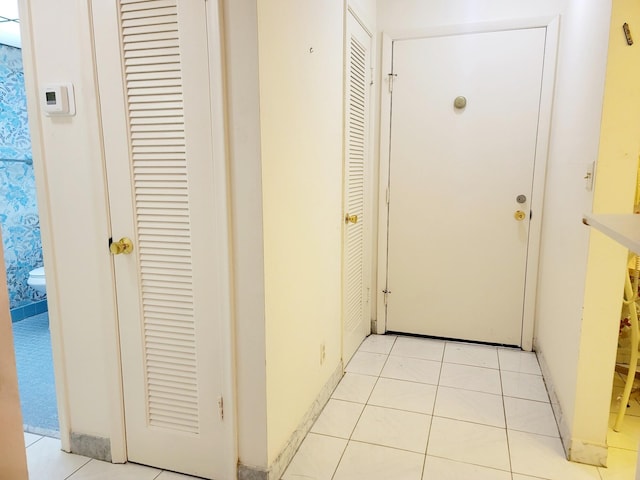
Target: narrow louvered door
{"points": [[356, 310], [154, 82]]}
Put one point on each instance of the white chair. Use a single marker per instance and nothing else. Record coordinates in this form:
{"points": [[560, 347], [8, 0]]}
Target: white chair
{"points": [[630, 302]]}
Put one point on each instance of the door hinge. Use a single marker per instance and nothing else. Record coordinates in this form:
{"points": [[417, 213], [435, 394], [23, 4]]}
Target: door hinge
{"points": [[386, 295], [221, 407], [391, 77]]}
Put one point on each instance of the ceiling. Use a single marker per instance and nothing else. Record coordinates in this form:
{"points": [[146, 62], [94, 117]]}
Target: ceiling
{"points": [[9, 23]]}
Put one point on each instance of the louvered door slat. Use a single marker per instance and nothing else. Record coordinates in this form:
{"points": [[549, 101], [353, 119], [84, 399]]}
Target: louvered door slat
{"points": [[150, 32], [356, 114]]}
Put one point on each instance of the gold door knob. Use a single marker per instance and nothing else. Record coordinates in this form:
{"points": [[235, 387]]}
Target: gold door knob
{"points": [[351, 218], [124, 245], [519, 215]]}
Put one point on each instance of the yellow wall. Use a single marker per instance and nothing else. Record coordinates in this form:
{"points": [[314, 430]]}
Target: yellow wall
{"points": [[614, 193], [300, 58]]}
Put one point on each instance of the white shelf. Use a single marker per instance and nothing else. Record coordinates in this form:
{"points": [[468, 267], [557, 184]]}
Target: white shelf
{"points": [[623, 228]]}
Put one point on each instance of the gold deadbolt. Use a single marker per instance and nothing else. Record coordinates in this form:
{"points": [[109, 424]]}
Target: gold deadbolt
{"points": [[124, 245], [351, 218], [519, 215]]}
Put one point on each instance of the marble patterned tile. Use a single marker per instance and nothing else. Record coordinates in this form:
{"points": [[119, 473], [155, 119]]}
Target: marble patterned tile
{"points": [[628, 436], [424, 348], [524, 385], [393, 428], [97, 470], [442, 469], [513, 360], [174, 476], [338, 418], [46, 461], [30, 438], [378, 344], [469, 443], [470, 406], [366, 363], [412, 369], [469, 354], [317, 458], [354, 387], [470, 378], [403, 395], [530, 416], [621, 465], [363, 461], [544, 457]]}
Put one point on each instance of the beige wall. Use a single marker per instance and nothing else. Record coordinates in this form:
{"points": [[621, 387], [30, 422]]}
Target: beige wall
{"points": [[614, 193], [573, 144], [301, 96], [13, 461]]}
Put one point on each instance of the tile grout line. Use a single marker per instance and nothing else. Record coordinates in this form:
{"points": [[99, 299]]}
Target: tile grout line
{"points": [[433, 409], [89, 460], [363, 408], [504, 411]]}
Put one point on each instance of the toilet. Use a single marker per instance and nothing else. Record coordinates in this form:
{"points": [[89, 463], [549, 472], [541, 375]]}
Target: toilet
{"points": [[37, 281]]}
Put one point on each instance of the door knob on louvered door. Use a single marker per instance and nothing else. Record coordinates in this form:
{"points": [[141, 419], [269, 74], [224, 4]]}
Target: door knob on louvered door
{"points": [[124, 245], [350, 218]]}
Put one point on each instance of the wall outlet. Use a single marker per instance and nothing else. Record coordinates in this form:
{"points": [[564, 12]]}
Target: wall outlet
{"points": [[323, 353]]}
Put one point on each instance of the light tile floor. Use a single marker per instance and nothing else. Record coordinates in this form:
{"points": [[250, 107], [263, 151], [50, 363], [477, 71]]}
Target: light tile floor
{"points": [[415, 409], [422, 409], [46, 461]]}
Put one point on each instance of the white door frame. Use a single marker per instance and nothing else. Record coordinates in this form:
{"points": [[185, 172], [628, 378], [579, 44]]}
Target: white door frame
{"points": [[551, 24], [222, 243]]}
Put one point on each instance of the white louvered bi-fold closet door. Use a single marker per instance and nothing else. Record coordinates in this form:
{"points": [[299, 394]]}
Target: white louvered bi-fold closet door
{"points": [[356, 261], [154, 83]]}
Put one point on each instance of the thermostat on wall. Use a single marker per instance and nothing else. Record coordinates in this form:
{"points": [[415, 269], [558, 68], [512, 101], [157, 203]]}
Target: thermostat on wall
{"points": [[57, 99]]}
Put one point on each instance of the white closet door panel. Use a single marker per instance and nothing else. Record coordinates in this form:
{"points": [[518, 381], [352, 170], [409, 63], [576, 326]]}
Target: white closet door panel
{"points": [[154, 91], [356, 310]]}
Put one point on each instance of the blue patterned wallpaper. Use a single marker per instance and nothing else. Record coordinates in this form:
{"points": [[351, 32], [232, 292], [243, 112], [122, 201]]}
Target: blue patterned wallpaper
{"points": [[18, 207]]}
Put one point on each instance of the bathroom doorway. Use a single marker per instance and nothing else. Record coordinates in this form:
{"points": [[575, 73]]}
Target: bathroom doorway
{"points": [[22, 245]]}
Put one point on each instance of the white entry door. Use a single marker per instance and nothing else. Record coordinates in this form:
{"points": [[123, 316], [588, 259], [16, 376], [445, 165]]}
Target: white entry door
{"points": [[356, 256], [464, 125], [154, 78]]}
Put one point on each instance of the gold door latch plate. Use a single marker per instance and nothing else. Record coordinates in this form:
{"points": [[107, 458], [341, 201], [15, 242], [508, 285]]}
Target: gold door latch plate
{"points": [[351, 218], [124, 245], [519, 215]]}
